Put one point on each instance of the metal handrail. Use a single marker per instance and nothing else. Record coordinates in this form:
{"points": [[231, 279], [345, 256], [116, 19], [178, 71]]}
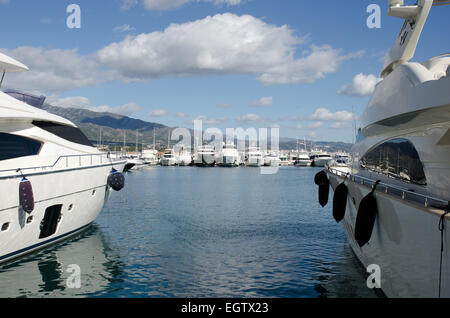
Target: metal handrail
{"points": [[110, 160], [403, 194]]}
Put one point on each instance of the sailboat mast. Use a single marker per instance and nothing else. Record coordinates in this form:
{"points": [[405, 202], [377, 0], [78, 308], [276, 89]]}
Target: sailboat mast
{"points": [[124, 140], [137, 137], [168, 140]]}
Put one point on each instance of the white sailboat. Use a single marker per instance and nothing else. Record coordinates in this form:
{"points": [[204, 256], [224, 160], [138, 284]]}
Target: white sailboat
{"points": [[399, 179], [53, 181]]}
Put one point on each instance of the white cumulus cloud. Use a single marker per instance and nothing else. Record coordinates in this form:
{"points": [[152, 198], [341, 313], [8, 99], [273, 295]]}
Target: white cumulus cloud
{"points": [[54, 70], [262, 102], [362, 85], [84, 103], [323, 114], [250, 118], [124, 28], [222, 44], [158, 113]]}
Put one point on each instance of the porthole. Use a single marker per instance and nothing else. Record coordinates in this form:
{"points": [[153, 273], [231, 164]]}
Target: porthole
{"points": [[70, 208], [94, 192], [5, 226]]}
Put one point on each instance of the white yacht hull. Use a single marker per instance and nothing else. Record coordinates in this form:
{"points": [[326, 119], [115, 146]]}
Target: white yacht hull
{"points": [[304, 163], [229, 161], [81, 192], [151, 162], [320, 162], [405, 243], [254, 163], [138, 164], [168, 162]]}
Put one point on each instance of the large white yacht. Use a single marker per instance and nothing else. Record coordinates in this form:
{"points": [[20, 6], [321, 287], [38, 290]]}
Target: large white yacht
{"points": [[205, 156], [229, 156], [284, 161], [303, 160], [394, 199], [54, 183], [271, 160], [320, 158], [169, 159], [137, 161], [150, 157], [254, 157]]}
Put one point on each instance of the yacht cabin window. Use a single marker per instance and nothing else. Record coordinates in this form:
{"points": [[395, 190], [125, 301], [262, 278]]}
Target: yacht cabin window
{"points": [[396, 158], [13, 146], [72, 134]]}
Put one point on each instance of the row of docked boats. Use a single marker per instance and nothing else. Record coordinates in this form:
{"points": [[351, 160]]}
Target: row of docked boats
{"points": [[229, 156]]}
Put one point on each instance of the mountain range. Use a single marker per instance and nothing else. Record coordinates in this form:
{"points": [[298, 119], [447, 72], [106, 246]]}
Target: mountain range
{"points": [[111, 129]]}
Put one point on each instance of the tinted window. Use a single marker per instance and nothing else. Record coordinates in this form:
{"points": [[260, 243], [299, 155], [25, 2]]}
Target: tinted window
{"points": [[397, 158], [69, 133], [12, 146]]}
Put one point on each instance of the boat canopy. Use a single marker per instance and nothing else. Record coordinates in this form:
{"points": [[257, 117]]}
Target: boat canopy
{"points": [[8, 64], [13, 109]]}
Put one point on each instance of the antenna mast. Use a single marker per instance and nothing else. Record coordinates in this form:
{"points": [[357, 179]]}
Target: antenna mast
{"points": [[406, 43]]}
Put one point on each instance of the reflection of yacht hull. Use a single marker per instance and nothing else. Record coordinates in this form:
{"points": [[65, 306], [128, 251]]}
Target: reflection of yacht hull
{"points": [[405, 243], [46, 273], [204, 164], [79, 200]]}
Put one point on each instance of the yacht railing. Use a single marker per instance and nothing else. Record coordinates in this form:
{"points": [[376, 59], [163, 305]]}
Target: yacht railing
{"points": [[401, 193], [69, 162]]}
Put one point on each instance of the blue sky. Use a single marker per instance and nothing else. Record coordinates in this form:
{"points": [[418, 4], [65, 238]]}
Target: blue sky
{"points": [[297, 65]]}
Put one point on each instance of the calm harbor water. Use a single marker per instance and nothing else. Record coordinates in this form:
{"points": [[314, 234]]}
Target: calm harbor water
{"points": [[201, 232]]}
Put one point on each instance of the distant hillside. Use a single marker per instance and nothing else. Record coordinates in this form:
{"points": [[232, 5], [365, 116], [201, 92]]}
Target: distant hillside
{"points": [[113, 127], [329, 146]]}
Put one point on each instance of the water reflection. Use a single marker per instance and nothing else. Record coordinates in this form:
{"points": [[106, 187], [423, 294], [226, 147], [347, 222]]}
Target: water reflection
{"points": [[170, 233], [44, 273]]}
